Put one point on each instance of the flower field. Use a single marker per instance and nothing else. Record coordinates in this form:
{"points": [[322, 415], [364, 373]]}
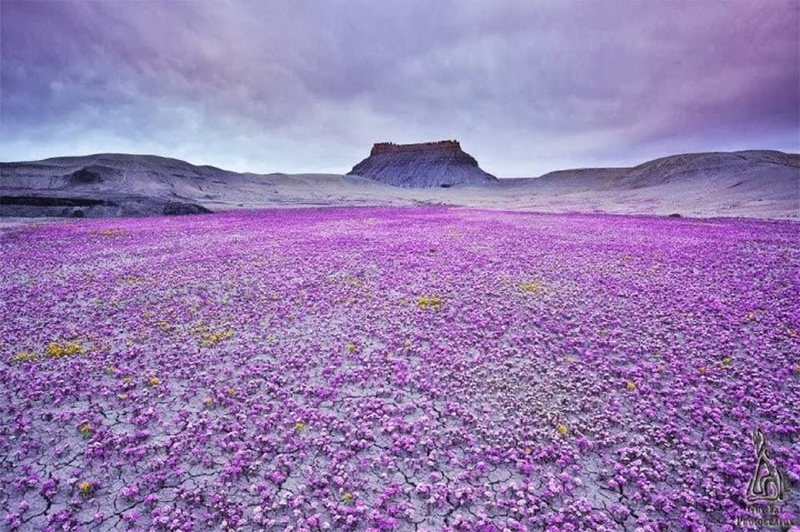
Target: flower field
{"points": [[380, 369]]}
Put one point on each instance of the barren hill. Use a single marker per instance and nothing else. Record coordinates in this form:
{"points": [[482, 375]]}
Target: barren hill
{"points": [[760, 184]]}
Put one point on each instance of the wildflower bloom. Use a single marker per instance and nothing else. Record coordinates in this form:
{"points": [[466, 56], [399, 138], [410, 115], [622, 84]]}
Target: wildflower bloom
{"points": [[58, 350], [503, 406], [153, 381], [429, 302], [85, 488], [530, 287], [210, 338], [25, 356], [631, 386]]}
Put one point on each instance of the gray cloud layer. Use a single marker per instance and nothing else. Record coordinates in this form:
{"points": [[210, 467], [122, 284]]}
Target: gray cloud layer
{"points": [[305, 85]]}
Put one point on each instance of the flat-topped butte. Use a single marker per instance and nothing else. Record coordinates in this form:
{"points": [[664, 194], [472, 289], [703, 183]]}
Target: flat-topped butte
{"points": [[439, 146], [423, 165]]}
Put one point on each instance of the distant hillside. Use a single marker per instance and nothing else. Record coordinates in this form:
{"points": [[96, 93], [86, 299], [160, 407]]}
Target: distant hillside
{"points": [[746, 183], [763, 184], [112, 185]]}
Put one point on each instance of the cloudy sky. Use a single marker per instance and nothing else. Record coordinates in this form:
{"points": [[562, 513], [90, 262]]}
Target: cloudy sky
{"points": [[527, 86]]}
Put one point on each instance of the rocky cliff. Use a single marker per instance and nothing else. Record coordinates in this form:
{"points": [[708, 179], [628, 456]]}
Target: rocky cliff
{"points": [[425, 165]]}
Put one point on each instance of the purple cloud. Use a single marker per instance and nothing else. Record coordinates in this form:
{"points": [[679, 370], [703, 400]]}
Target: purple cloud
{"points": [[308, 86]]}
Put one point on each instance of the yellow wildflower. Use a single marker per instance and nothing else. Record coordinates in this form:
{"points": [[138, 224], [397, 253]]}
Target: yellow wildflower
{"points": [[86, 488], [531, 288], [57, 350], [631, 386], [562, 429], [54, 350], [25, 356], [211, 338], [425, 302]]}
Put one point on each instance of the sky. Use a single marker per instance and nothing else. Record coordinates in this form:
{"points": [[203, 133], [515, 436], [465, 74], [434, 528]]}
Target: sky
{"points": [[526, 86]]}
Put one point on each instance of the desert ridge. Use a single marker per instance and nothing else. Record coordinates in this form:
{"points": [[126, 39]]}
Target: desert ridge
{"points": [[749, 184]]}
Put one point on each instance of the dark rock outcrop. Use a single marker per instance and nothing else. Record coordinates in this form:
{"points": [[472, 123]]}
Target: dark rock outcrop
{"points": [[178, 208], [90, 175], [429, 164], [48, 201], [59, 205]]}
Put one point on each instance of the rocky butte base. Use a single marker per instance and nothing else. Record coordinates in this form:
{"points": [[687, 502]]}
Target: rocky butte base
{"points": [[424, 165]]}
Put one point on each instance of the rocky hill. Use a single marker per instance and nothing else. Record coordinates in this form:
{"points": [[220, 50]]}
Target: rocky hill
{"points": [[102, 185], [425, 165]]}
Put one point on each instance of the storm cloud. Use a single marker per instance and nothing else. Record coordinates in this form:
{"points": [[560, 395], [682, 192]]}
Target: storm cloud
{"points": [[304, 85]]}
